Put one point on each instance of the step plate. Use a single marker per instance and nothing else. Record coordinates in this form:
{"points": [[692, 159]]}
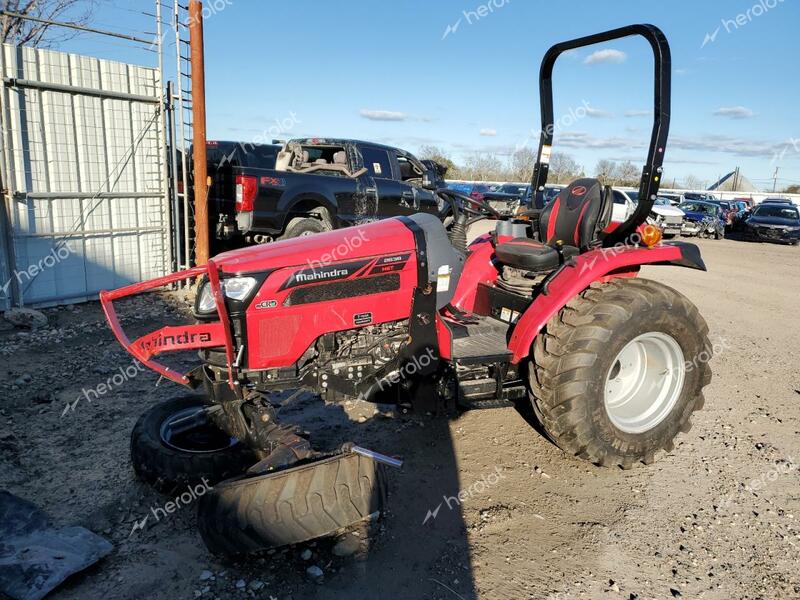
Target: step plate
{"points": [[483, 341]]}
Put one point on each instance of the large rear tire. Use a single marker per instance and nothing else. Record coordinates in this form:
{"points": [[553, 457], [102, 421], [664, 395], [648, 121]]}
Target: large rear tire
{"points": [[618, 372], [292, 505], [170, 460]]}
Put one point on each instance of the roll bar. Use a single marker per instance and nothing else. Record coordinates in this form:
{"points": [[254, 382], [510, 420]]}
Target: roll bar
{"points": [[651, 172]]}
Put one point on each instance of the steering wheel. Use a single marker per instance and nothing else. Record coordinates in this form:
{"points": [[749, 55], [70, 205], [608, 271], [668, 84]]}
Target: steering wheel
{"points": [[481, 208]]}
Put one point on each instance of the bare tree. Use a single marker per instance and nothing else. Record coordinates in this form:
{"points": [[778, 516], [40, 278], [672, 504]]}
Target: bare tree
{"points": [[563, 168], [691, 182], [440, 156], [628, 174], [521, 164], [606, 171], [483, 167], [20, 31]]}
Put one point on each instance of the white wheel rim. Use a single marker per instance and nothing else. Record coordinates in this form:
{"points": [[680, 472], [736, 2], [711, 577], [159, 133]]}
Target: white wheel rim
{"points": [[644, 382]]}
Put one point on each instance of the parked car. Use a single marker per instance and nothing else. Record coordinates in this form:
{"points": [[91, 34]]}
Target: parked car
{"points": [[458, 186], [667, 217], [728, 211], [777, 201], [702, 196], [624, 205], [550, 192], [674, 199], [773, 222], [702, 219], [478, 190], [506, 198], [223, 159], [740, 216], [319, 184]]}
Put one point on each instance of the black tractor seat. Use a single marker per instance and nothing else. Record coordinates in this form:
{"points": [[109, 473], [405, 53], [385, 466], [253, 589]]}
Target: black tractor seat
{"points": [[530, 255], [574, 221]]}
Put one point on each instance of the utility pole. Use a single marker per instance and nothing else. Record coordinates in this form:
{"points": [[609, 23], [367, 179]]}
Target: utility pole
{"points": [[775, 179], [201, 227]]}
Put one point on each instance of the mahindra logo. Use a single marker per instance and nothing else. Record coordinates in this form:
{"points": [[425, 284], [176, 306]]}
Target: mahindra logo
{"points": [[578, 191], [317, 275], [179, 339]]}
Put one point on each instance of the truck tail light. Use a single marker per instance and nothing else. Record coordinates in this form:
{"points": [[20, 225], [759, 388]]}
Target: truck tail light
{"points": [[246, 189]]}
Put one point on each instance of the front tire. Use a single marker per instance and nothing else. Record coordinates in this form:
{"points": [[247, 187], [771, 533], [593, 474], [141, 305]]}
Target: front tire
{"points": [[292, 505], [170, 459], [619, 371]]}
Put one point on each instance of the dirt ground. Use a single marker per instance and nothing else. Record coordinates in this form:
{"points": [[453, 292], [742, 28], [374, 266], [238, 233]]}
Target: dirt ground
{"points": [[716, 518]]}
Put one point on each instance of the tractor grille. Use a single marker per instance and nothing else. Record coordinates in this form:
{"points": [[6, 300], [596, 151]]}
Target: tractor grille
{"points": [[362, 286]]}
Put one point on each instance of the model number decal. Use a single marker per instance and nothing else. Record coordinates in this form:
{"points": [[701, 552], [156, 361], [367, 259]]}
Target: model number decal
{"points": [[362, 318], [266, 304]]}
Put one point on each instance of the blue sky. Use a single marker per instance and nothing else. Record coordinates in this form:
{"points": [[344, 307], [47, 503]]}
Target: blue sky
{"points": [[393, 72]]}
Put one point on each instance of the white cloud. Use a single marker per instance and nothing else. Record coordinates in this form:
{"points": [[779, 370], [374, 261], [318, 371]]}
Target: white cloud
{"points": [[734, 112], [605, 55], [597, 113], [488, 131], [383, 115], [708, 144], [638, 113]]}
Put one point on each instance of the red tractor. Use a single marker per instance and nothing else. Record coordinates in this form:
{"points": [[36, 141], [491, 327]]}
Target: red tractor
{"points": [[548, 311]]}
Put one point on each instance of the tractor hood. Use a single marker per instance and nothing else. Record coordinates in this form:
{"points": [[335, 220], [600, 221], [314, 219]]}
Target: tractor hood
{"points": [[320, 249]]}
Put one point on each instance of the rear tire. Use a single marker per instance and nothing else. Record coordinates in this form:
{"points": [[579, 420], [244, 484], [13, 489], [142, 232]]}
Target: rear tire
{"points": [[171, 464], [303, 226], [292, 505], [578, 365]]}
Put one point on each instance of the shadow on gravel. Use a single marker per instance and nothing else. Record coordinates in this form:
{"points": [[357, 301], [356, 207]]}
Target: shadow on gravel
{"points": [[423, 550]]}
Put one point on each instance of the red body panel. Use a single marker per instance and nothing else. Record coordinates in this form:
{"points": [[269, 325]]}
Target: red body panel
{"points": [[589, 267], [371, 239], [478, 268], [284, 332]]}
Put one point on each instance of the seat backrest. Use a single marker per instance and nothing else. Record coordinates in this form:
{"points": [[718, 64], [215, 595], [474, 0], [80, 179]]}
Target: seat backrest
{"points": [[578, 215]]}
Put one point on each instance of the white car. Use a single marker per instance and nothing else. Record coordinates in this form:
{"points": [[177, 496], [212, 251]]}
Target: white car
{"points": [[624, 205], [667, 217]]}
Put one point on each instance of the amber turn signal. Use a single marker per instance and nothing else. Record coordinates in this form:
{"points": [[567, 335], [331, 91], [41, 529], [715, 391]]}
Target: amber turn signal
{"points": [[651, 235]]}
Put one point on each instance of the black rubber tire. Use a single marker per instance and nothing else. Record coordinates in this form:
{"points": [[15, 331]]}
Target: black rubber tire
{"points": [[299, 226], [168, 469], [291, 506], [573, 355]]}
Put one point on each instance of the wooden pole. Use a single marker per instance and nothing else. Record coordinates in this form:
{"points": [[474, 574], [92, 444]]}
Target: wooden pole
{"points": [[201, 225]]}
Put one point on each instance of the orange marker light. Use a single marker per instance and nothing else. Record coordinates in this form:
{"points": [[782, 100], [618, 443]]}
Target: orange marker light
{"points": [[651, 235]]}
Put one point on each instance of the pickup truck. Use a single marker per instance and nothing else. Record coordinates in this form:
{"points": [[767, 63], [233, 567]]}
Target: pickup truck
{"points": [[320, 184]]}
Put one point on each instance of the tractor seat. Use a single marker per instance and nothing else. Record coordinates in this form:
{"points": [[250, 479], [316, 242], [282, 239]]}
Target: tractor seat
{"points": [[576, 219], [530, 255]]}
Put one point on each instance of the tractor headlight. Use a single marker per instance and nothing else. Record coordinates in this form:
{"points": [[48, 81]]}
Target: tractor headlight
{"points": [[205, 301], [235, 288]]}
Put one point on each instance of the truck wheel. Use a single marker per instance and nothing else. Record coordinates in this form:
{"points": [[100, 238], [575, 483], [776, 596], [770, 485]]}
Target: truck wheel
{"points": [[302, 226], [170, 456], [617, 374], [292, 505]]}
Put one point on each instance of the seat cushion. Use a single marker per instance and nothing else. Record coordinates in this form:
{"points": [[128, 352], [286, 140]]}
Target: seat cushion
{"points": [[530, 255]]}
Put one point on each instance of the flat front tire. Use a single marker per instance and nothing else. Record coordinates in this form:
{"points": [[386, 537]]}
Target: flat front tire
{"points": [[171, 449], [618, 372]]}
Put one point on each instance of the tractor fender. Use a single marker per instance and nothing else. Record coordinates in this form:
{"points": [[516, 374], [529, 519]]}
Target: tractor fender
{"points": [[585, 269]]}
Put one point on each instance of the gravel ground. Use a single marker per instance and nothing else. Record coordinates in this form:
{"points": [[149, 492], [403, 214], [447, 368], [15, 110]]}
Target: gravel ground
{"points": [[716, 518]]}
